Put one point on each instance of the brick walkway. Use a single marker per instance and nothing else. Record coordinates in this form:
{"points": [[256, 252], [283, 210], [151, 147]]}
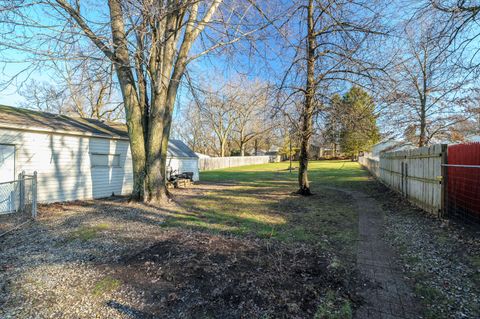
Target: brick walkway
{"points": [[389, 296]]}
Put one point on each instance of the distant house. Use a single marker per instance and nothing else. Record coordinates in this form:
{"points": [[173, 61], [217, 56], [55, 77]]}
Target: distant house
{"points": [[258, 152], [74, 158], [273, 151]]}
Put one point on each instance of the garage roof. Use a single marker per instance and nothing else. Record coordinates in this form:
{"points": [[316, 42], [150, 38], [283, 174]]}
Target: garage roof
{"points": [[31, 120], [20, 118], [177, 148]]}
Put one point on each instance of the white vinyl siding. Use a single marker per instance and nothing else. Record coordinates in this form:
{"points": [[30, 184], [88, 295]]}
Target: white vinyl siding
{"points": [[71, 167], [64, 164], [7, 163]]}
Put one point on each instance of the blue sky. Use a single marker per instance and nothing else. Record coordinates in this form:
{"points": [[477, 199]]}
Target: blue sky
{"points": [[267, 62], [218, 66]]}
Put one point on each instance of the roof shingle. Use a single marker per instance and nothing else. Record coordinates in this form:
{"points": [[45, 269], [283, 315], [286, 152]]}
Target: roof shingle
{"points": [[25, 118], [20, 118]]}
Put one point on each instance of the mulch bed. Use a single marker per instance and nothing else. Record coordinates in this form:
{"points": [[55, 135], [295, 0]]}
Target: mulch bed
{"points": [[199, 275], [66, 265]]}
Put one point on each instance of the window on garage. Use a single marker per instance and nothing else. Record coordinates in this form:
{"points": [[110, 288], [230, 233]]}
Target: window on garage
{"points": [[105, 160]]}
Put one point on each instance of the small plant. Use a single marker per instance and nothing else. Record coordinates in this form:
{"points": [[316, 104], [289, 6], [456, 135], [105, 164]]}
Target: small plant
{"points": [[86, 233], [334, 307], [106, 285]]}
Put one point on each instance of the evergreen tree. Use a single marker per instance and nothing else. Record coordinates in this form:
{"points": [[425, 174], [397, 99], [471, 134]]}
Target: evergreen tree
{"points": [[359, 132], [351, 122]]}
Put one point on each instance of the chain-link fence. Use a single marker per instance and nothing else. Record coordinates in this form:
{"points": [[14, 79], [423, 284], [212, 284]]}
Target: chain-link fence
{"points": [[18, 202]]}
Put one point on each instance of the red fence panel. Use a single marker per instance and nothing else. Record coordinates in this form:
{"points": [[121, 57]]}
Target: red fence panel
{"points": [[463, 181]]}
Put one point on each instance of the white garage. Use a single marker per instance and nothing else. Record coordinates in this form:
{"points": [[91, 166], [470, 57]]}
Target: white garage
{"points": [[74, 158]]}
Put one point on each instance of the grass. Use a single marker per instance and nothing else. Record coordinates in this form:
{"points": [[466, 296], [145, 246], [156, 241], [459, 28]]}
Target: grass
{"points": [[258, 202], [334, 307], [332, 173], [85, 233], [105, 285]]}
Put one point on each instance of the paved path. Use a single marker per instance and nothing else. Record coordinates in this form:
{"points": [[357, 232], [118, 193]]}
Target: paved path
{"points": [[389, 296]]}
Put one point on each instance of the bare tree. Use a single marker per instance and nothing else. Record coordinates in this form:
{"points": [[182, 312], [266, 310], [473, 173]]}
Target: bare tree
{"points": [[190, 126], [81, 89], [237, 115], [149, 43], [252, 113], [427, 84], [328, 52], [458, 21], [44, 96], [219, 113]]}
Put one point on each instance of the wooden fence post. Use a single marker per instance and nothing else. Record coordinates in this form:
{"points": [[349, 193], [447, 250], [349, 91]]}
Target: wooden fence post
{"points": [[444, 181], [21, 191], [406, 181], [403, 179]]}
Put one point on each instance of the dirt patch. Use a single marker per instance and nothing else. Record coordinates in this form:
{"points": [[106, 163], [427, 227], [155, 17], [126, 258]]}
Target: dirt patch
{"points": [[114, 259], [197, 275], [9, 222]]}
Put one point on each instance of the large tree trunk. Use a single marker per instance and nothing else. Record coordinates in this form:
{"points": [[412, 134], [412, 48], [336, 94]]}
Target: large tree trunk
{"points": [[133, 109], [155, 188], [149, 124], [303, 183], [242, 143]]}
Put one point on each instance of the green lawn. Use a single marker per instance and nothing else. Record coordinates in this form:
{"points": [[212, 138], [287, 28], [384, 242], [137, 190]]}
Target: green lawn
{"points": [[257, 201], [321, 173]]}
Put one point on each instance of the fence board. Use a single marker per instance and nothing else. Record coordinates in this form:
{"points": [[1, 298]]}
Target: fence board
{"points": [[211, 163], [416, 174]]}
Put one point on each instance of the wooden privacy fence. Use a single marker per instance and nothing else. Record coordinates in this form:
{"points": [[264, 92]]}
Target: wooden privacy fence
{"points": [[416, 174], [206, 164], [372, 164]]}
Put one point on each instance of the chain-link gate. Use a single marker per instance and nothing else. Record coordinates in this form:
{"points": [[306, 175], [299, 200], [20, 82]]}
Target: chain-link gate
{"points": [[18, 202]]}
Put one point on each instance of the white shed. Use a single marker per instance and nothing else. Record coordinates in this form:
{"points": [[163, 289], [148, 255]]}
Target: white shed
{"points": [[74, 158], [181, 158]]}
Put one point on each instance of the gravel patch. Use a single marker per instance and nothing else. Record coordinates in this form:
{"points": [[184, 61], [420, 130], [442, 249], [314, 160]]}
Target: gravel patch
{"points": [[55, 267], [442, 258]]}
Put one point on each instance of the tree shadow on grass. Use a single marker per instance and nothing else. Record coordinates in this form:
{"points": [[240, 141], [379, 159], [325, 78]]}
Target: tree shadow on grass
{"points": [[252, 240]]}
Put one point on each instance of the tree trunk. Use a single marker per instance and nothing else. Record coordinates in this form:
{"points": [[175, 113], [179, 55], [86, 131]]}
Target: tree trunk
{"points": [[133, 108], [304, 184], [423, 125], [155, 187], [222, 148], [242, 143]]}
